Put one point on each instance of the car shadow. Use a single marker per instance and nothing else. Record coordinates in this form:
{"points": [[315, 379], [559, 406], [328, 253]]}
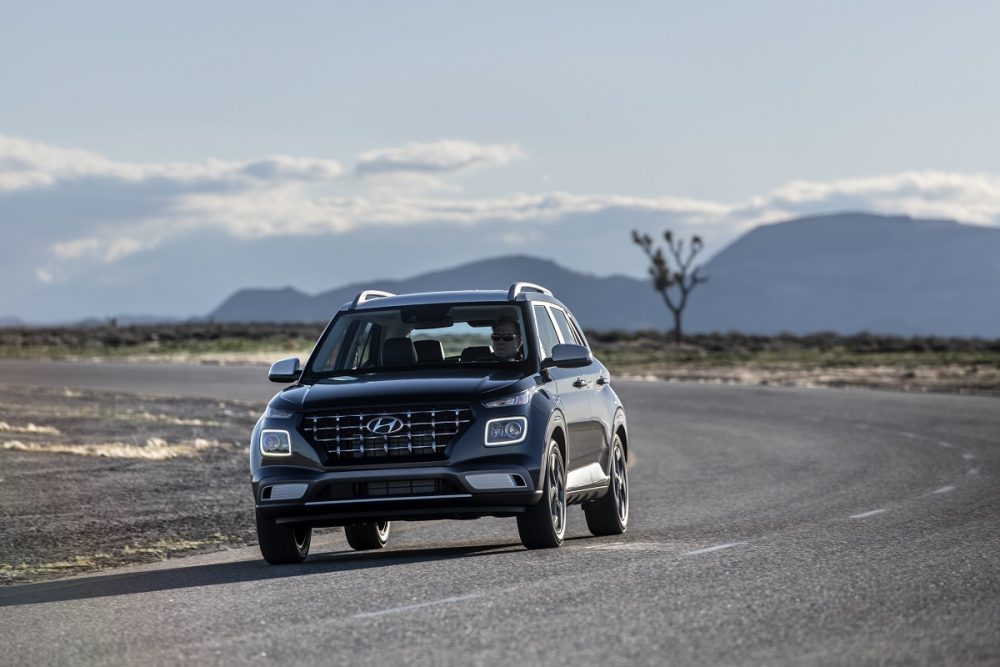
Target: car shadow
{"points": [[193, 576]]}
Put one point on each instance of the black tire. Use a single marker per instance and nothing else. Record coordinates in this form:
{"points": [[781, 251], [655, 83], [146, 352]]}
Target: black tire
{"points": [[543, 525], [608, 515], [365, 536], [280, 544]]}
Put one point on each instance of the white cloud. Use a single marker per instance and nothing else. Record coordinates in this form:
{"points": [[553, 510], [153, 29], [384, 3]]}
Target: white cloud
{"points": [[440, 156], [84, 207], [76, 248], [408, 183], [26, 164]]}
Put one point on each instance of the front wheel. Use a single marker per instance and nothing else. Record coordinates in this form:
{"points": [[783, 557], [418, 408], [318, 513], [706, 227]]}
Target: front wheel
{"points": [[543, 524], [365, 536], [608, 515], [281, 544]]}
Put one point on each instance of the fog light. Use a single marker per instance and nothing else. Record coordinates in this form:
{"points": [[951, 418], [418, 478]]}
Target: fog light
{"points": [[275, 443], [285, 491], [506, 431], [494, 480]]}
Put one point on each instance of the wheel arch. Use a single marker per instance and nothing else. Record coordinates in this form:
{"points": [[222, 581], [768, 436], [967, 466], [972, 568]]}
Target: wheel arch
{"points": [[620, 428], [556, 430]]}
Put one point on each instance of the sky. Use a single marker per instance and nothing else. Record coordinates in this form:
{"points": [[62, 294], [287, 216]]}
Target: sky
{"points": [[156, 157]]}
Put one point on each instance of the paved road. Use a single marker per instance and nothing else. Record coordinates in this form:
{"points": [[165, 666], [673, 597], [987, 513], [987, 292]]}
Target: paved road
{"points": [[769, 526], [244, 383]]}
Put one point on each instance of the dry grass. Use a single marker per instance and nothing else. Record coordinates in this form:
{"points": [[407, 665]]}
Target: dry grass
{"points": [[962, 379], [154, 449], [29, 428], [155, 551]]}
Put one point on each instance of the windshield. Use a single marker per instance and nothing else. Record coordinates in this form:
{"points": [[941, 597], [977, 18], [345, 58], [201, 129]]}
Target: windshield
{"points": [[421, 336]]}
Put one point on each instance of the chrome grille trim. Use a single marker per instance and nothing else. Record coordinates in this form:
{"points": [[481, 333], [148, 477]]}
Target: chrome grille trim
{"points": [[331, 428], [426, 432]]}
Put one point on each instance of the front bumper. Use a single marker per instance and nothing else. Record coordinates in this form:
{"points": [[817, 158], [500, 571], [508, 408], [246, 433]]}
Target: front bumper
{"points": [[340, 497]]}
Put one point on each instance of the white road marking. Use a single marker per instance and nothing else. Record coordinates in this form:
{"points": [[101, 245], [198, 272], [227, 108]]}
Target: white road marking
{"points": [[907, 434], [943, 489], [946, 445], [394, 610], [867, 514], [718, 547], [626, 546], [969, 457], [972, 471]]}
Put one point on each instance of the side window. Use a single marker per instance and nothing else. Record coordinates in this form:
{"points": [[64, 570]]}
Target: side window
{"points": [[565, 328], [361, 346], [578, 332], [547, 336], [370, 346]]}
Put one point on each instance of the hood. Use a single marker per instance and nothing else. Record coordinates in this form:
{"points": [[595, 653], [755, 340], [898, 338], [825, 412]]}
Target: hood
{"points": [[425, 386]]}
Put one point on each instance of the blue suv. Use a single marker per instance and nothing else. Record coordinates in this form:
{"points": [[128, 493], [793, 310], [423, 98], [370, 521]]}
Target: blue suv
{"points": [[435, 406]]}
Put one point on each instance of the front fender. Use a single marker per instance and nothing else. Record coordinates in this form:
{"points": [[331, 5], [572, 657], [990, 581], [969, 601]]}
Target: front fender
{"points": [[620, 421], [557, 421]]}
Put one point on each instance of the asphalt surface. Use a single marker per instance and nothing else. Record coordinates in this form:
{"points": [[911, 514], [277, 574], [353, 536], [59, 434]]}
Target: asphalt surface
{"points": [[768, 526]]}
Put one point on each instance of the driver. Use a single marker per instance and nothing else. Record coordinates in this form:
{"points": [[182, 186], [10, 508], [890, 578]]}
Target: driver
{"points": [[507, 342]]}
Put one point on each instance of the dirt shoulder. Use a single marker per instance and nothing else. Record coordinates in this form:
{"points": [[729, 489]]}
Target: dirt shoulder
{"points": [[921, 363], [967, 376], [949, 378], [93, 480]]}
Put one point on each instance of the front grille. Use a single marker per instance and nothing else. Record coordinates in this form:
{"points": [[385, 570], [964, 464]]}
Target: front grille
{"points": [[424, 435]]}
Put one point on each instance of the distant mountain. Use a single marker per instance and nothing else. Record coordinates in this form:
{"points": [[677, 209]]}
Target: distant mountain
{"points": [[11, 321], [129, 319], [847, 273], [855, 272], [593, 300]]}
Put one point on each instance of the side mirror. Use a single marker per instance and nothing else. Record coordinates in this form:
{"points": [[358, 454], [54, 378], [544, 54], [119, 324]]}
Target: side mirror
{"points": [[284, 371], [568, 355]]}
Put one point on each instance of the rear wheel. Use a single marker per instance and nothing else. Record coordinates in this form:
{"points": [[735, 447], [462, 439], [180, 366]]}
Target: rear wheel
{"points": [[608, 515], [543, 524], [281, 544], [365, 536]]}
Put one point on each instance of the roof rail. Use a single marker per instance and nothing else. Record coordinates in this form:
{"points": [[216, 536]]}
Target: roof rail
{"points": [[368, 295], [517, 288]]}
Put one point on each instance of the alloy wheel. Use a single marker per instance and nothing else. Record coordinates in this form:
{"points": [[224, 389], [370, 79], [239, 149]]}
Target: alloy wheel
{"points": [[557, 492], [620, 480]]}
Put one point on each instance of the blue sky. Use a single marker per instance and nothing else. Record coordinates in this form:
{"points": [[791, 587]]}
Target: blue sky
{"points": [[155, 157]]}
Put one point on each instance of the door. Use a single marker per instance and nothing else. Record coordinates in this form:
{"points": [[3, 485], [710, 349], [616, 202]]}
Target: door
{"points": [[589, 381], [572, 393]]}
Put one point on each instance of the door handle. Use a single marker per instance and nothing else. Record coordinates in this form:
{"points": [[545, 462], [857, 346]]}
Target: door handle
{"points": [[603, 380], [580, 383]]}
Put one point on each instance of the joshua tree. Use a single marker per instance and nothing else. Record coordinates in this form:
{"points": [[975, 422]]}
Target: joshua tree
{"points": [[665, 278]]}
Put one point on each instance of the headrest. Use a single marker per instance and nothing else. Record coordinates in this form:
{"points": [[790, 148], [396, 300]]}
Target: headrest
{"points": [[398, 352], [476, 353], [429, 350]]}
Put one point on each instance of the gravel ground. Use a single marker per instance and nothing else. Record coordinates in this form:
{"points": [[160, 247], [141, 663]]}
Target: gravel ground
{"points": [[91, 480]]}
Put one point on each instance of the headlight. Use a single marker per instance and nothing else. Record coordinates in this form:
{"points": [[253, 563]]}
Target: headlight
{"points": [[522, 398], [274, 413], [275, 443], [506, 431]]}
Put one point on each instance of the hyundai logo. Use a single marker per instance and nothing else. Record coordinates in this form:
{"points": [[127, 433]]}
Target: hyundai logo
{"points": [[384, 425]]}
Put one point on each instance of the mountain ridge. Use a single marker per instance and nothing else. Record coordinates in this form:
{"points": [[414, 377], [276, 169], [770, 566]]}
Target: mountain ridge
{"points": [[845, 272]]}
